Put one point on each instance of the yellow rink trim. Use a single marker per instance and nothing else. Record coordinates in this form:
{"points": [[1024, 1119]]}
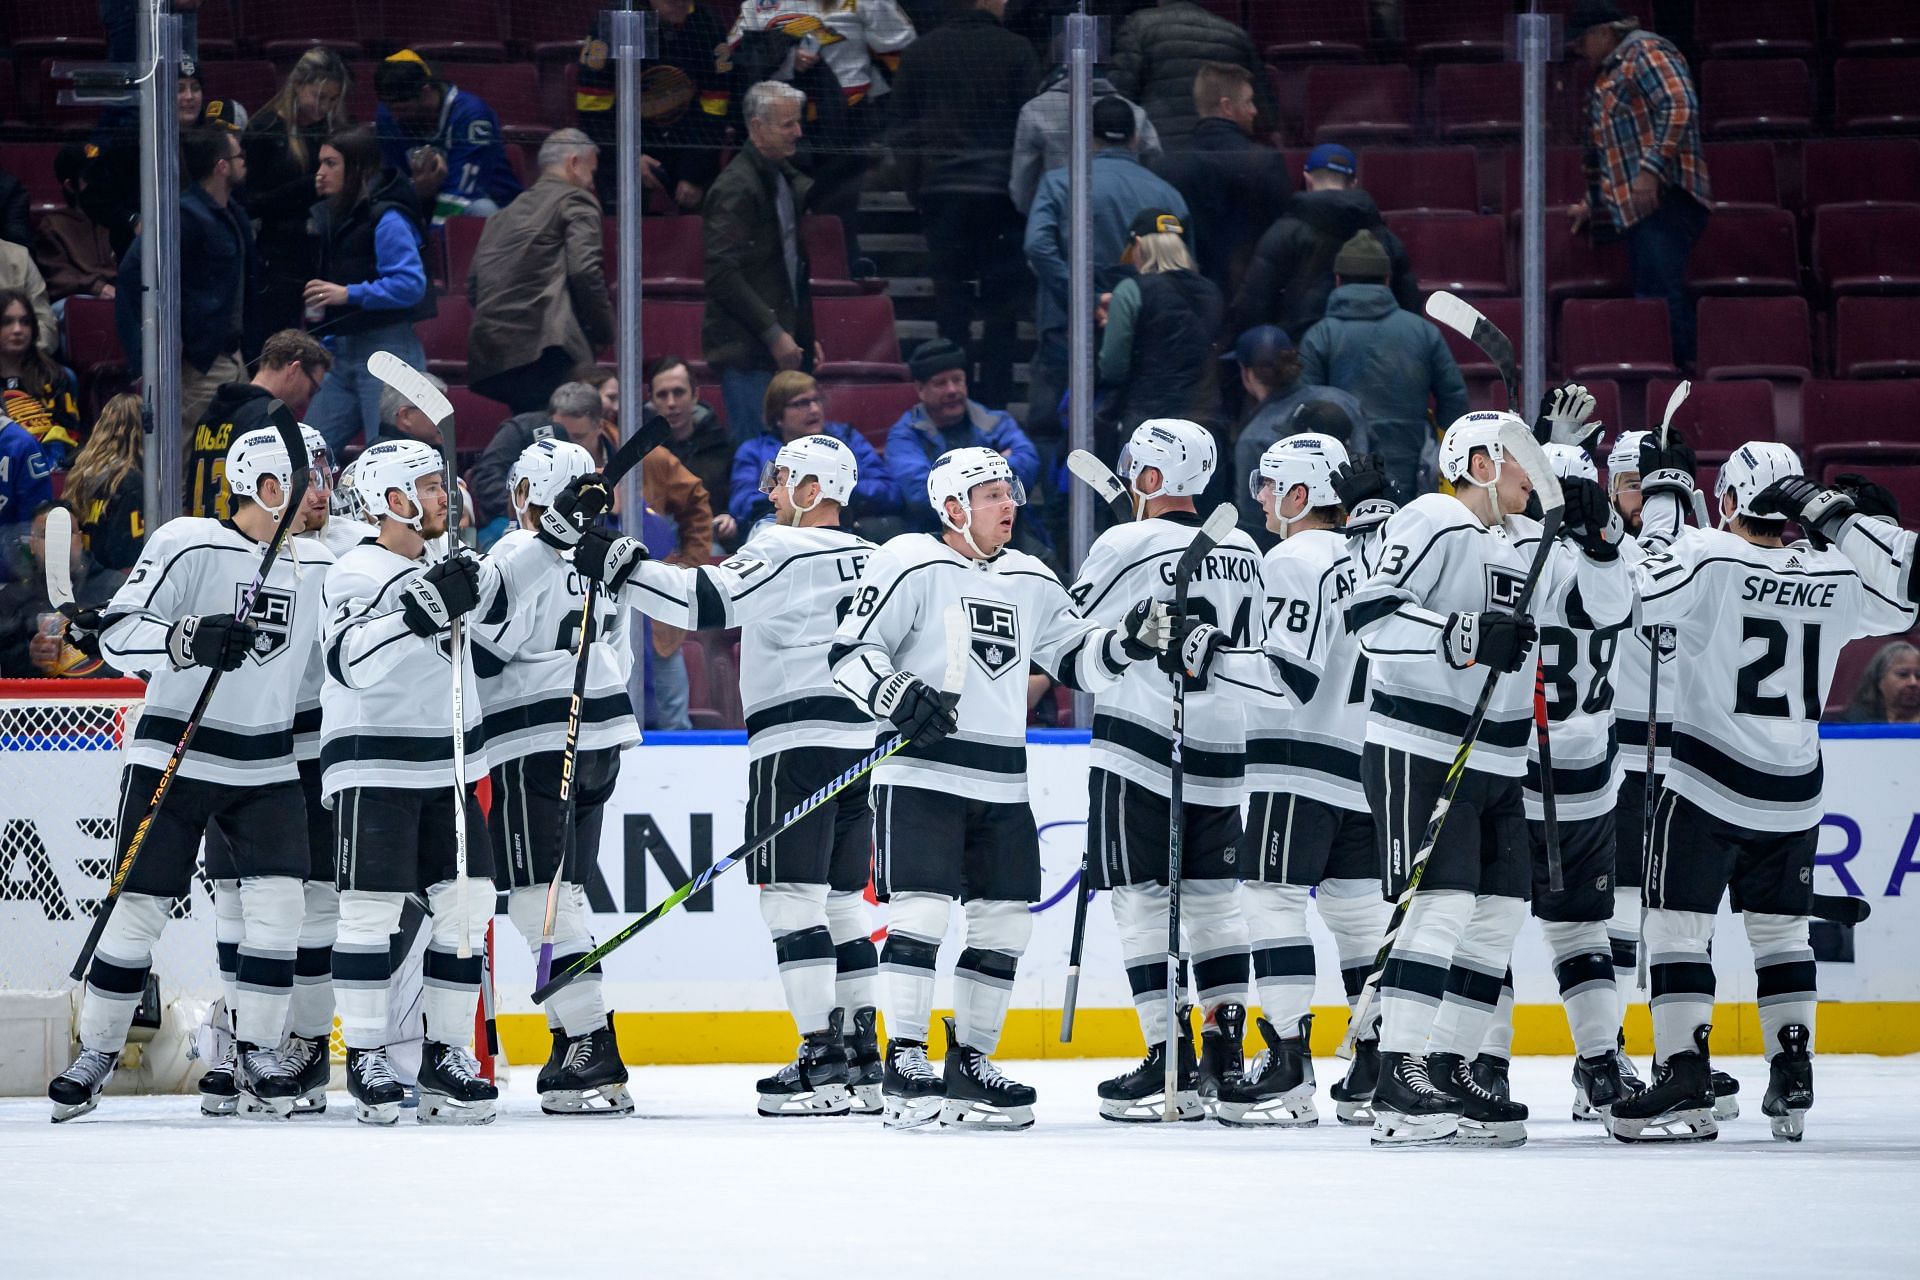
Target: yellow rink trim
{"points": [[648, 1039]]}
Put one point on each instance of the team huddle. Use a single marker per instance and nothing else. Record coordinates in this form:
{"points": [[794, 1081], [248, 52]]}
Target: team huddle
{"points": [[1350, 719]]}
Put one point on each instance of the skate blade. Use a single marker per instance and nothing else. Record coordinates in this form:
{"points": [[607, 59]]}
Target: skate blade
{"points": [[218, 1105], [311, 1103], [1287, 1111], [438, 1108], [376, 1113], [1152, 1109], [1491, 1133], [1691, 1124], [611, 1100], [1358, 1114], [866, 1101], [257, 1108], [911, 1113], [984, 1116], [1790, 1127], [827, 1100], [63, 1112], [1394, 1130]]}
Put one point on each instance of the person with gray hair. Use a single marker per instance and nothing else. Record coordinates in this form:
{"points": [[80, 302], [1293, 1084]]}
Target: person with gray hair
{"points": [[540, 300], [572, 412]]}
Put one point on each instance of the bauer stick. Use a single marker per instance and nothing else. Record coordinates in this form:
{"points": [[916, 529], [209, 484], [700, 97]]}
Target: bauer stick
{"points": [[1520, 446], [296, 447], [1099, 477], [1654, 641], [58, 550], [956, 675]]}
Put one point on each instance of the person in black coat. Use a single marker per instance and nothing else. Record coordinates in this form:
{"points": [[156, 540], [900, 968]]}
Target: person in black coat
{"points": [[282, 143], [1235, 188]]}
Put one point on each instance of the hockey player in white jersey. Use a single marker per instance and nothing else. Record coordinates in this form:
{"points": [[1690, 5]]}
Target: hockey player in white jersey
{"points": [[1760, 624], [1435, 615], [525, 660], [787, 590], [172, 621], [1167, 463], [951, 812], [386, 754]]}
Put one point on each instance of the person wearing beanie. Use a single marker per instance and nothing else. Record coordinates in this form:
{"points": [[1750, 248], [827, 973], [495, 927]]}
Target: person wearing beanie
{"points": [[947, 419], [1269, 369], [1391, 360], [446, 139]]}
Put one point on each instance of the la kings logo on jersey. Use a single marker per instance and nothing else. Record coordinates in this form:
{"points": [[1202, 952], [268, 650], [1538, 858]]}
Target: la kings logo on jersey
{"points": [[273, 617], [995, 637], [1504, 586]]}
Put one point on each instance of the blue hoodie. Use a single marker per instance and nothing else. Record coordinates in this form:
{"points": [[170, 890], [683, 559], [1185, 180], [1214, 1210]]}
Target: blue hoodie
{"points": [[874, 493]]}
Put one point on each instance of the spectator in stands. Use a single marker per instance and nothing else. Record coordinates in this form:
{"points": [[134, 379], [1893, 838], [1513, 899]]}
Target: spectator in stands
{"points": [[448, 141], [370, 282], [283, 141], [1235, 186], [292, 366], [26, 479], [700, 440], [113, 149], [1291, 274], [74, 253], [683, 108], [759, 316], [1122, 187], [18, 274], [16, 223], [540, 301], [574, 409], [35, 391], [106, 489], [956, 107], [1041, 142], [1647, 176], [947, 419], [796, 406], [1157, 354], [1391, 361], [1889, 689], [32, 645], [1160, 50], [1269, 369]]}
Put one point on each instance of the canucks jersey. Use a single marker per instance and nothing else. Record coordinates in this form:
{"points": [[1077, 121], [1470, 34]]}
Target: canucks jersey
{"points": [[195, 567], [1759, 630], [525, 659], [1437, 559], [1016, 613], [1133, 718]]}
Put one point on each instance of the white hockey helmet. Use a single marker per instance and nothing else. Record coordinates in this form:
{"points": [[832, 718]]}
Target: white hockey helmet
{"points": [[820, 457], [546, 467], [252, 457], [957, 473], [1753, 467], [1569, 461], [1623, 459], [394, 464], [319, 461], [1182, 452], [1477, 430], [345, 500], [1307, 459]]}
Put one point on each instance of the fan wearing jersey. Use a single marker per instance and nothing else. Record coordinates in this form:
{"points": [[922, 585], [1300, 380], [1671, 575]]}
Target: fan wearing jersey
{"points": [[525, 660], [951, 812], [172, 622], [387, 768], [1434, 617], [1759, 624]]}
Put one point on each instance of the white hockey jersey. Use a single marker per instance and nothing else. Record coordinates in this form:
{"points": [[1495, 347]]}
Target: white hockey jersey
{"points": [[1436, 559], [1660, 522], [1016, 612], [306, 712], [1133, 718], [787, 590], [342, 534], [1759, 631], [195, 566], [525, 660], [386, 710]]}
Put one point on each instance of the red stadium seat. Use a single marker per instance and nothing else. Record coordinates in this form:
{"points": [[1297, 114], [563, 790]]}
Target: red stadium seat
{"points": [[553, 29], [463, 237], [1484, 387], [469, 31], [32, 163], [1873, 26], [1464, 253], [1849, 170], [93, 344], [1877, 338], [1622, 338], [1768, 97], [1854, 419], [1457, 31], [701, 710], [671, 325], [1475, 101], [1746, 250], [672, 255], [1309, 30], [831, 276], [9, 103], [1717, 417], [1741, 28], [1755, 338], [858, 336], [251, 82], [871, 408], [1867, 248], [476, 419], [1566, 180], [285, 31], [1876, 95], [215, 35], [1743, 173], [1359, 104], [1576, 266], [54, 31], [511, 89], [1421, 178], [443, 336]]}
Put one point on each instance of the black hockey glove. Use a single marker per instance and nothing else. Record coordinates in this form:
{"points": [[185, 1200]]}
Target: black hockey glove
{"points": [[608, 558], [1358, 480], [1590, 519], [1668, 470], [916, 709], [449, 589], [1369, 515], [1820, 511], [84, 626], [212, 640], [1192, 652], [574, 509], [1871, 499], [1564, 414], [1146, 631], [1494, 639]]}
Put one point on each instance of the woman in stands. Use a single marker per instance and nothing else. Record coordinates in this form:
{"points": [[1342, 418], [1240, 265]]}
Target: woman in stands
{"points": [[1157, 358], [283, 143], [796, 406], [107, 491], [1889, 689], [34, 390]]}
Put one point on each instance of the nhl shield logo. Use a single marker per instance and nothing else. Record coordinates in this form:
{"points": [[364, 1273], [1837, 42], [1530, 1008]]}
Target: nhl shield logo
{"points": [[995, 635], [273, 617]]}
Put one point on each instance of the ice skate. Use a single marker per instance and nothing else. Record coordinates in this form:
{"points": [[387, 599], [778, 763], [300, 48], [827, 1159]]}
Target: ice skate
{"points": [[978, 1094], [1630, 1082], [308, 1058], [1139, 1096], [1407, 1109], [1278, 1092], [267, 1084], [1353, 1096], [1790, 1084], [1222, 1050], [556, 1054], [452, 1090], [1726, 1092], [1678, 1108], [864, 1069], [1596, 1086], [815, 1082], [219, 1095], [1491, 1074], [590, 1079], [911, 1092], [376, 1091], [1485, 1118], [76, 1091]]}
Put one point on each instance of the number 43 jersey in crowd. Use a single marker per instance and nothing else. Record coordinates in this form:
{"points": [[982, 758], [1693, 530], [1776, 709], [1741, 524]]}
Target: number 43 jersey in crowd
{"points": [[1759, 631]]}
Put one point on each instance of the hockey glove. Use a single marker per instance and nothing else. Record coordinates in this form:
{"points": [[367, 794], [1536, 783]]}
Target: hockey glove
{"points": [[84, 626], [1495, 639], [1368, 516], [1564, 414], [916, 709], [608, 558], [1591, 520], [212, 640], [1359, 480], [575, 508], [1871, 499], [447, 590], [1192, 654], [1667, 470], [1146, 631], [1818, 510]]}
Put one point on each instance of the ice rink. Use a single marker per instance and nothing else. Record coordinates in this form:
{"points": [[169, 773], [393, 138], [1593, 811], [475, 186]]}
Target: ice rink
{"points": [[697, 1186]]}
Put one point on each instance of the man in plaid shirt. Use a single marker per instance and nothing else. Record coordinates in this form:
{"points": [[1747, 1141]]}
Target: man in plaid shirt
{"points": [[1646, 177]]}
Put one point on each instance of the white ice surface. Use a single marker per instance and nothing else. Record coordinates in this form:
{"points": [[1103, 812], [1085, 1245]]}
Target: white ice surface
{"points": [[700, 1187]]}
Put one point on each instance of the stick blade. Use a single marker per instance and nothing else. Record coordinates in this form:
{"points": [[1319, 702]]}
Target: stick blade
{"points": [[1094, 473], [1674, 401], [59, 556], [1455, 312], [1516, 439], [412, 384]]}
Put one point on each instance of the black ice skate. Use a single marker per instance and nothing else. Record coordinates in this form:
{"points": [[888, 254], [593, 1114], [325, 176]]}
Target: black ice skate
{"points": [[979, 1096], [1491, 1073], [1485, 1118], [1629, 1081], [1353, 1096], [1407, 1109], [543, 1083], [1278, 1092], [1222, 1050], [308, 1058], [590, 1079], [1139, 1096], [1726, 1092], [1596, 1086], [911, 1091], [1679, 1106], [76, 1090], [267, 1084], [452, 1090], [377, 1093], [219, 1094], [1790, 1084], [864, 1072], [815, 1082]]}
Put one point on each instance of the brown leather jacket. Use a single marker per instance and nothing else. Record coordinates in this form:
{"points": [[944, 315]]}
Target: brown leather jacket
{"points": [[676, 493]]}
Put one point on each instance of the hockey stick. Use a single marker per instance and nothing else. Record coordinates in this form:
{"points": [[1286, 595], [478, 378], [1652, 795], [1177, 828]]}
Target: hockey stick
{"points": [[296, 447], [1654, 641], [1099, 477], [1217, 526], [1839, 908], [957, 649], [58, 550], [1520, 447]]}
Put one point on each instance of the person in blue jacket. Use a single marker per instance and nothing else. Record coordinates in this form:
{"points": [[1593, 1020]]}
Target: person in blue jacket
{"points": [[447, 140], [946, 419], [795, 406], [26, 482]]}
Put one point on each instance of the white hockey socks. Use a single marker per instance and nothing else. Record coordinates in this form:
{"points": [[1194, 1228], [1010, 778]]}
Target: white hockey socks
{"points": [[1140, 916], [452, 985], [363, 965], [1474, 978], [1583, 966], [1415, 977], [1356, 914], [796, 916], [1499, 1038], [997, 934], [1681, 968], [1216, 936], [272, 907], [1623, 937], [229, 927], [580, 1007], [915, 924], [1282, 952], [118, 973], [310, 1014], [856, 961], [1783, 969]]}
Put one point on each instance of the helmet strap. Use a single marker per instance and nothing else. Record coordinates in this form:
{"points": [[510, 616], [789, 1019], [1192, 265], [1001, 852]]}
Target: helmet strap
{"points": [[964, 530]]}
